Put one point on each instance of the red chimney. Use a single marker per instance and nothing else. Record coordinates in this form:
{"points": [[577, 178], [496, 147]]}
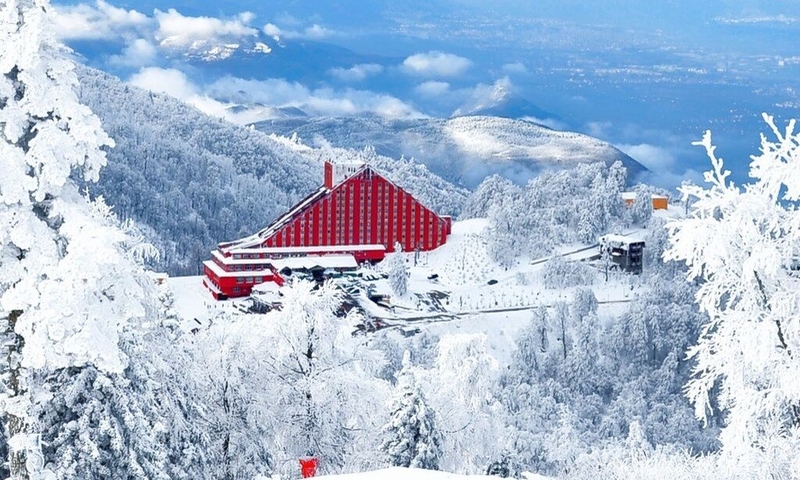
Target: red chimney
{"points": [[328, 182]]}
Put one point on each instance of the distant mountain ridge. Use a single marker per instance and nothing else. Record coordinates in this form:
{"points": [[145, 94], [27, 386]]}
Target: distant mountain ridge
{"points": [[463, 150], [504, 101]]}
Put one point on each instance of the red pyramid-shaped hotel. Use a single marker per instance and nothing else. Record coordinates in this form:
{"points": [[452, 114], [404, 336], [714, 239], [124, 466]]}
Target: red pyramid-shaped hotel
{"points": [[356, 216]]}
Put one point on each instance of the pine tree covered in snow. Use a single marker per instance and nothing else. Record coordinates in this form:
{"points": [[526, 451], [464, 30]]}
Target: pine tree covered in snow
{"points": [[411, 438], [69, 283], [741, 243], [92, 422], [398, 271]]}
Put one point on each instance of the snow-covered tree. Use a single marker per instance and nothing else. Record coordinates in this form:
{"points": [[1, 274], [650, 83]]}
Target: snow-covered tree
{"points": [[559, 273], [531, 343], [230, 397], [411, 438], [68, 283], [642, 208], [322, 377], [468, 408], [741, 245], [574, 205], [492, 192], [398, 271], [581, 367]]}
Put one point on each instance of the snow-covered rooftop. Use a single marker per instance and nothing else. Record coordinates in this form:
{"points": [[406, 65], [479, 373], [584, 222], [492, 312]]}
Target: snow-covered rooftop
{"points": [[326, 261], [255, 240], [239, 261], [219, 272], [621, 239], [306, 250]]}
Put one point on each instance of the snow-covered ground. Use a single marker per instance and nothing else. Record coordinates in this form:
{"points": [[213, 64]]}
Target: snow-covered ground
{"points": [[468, 302], [398, 473], [194, 303]]}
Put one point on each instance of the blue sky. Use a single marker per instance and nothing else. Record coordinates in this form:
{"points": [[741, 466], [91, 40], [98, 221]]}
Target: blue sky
{"points": [[649, 77]]}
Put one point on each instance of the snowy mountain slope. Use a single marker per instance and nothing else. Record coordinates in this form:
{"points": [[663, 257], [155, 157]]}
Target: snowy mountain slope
{"points": [[191, 180], [505, 140], [464, 149]]}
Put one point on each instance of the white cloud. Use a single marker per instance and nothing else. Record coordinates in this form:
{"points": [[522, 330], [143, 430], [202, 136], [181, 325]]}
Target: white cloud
{"points": [[273, 31], [104, 21], [432, 88], [516, 67], [436, 64], [356, 73], [314, 32], [164, 80], [139, 53], [317, 32], [246, 17], [98, 21], [276, 93], [176, 28], [669, 180], [324, 101], [175, 84], [655, 158], [600, 130]]}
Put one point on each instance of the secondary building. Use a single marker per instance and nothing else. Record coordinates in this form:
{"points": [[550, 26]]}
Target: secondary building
{"points": [[623, 253], [357, 215], [660, 202]]}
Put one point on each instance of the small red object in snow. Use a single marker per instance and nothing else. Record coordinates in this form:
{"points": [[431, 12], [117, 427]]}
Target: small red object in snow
{"points": [[308, 466]]}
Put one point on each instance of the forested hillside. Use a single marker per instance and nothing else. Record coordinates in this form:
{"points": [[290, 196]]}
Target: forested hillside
{"points": [[190, 180], [558, 207]]}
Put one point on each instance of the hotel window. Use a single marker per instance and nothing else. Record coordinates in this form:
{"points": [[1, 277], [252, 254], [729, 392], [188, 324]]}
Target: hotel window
{"points": [[249, 279], [259, 279], [318, 226], [413, 220], [239, 279]]}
